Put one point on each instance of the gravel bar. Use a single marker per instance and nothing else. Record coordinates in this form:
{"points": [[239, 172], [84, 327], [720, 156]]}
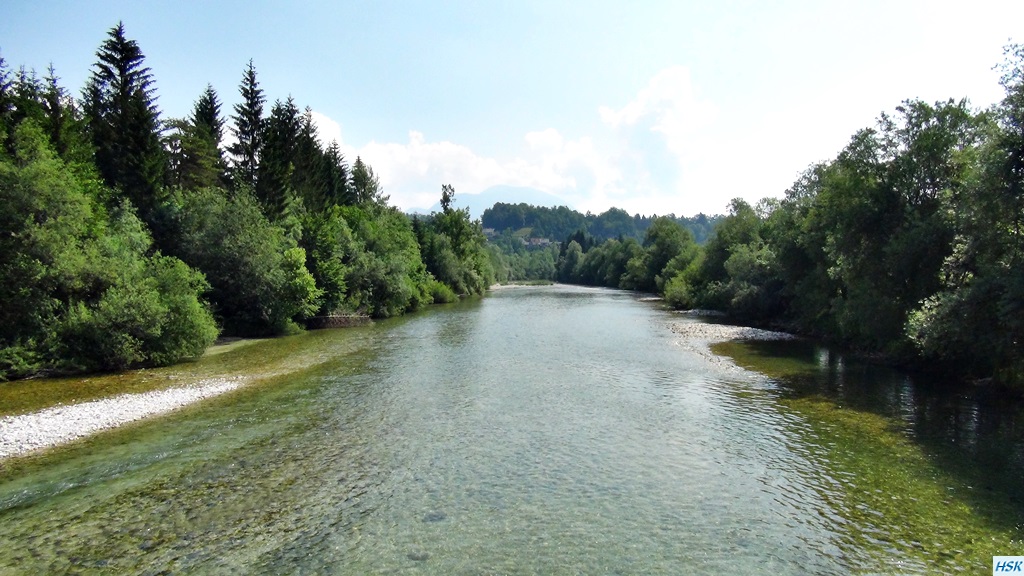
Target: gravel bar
{"points": [[61, 424], [708, 333], [697, 336]]}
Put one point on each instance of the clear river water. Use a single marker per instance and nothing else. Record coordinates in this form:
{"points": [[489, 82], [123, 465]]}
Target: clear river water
{"points": [[542, 430]]}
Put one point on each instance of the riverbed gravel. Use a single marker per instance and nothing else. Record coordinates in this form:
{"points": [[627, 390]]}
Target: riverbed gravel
{"points": [[697, 336], [25, 433]]}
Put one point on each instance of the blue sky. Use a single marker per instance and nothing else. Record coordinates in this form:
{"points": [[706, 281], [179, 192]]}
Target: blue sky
{"points": [[654, 107]]}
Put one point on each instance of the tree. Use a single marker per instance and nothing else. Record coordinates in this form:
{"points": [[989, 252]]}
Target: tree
{"points": [[277, 159], [248, 129], [365, 184], [337, 187], [193, 146], [7, 105], [124, 123], [663, 241], [311, 175], [454, 248], [259, 282], [974, 322], [206, 115], [193, 158], [569, 264], [386, 276], [78, 288]]}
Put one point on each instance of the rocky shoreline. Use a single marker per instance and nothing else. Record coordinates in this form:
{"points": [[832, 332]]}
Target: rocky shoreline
{"points": [[26, 433]]}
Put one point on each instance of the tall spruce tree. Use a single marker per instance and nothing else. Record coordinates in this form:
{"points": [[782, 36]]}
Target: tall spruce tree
{"points": [[206, 114], [366, 185], [336, 178], [124, 122], [273, 183], [248, 130], [193, 145], [307, 177]]}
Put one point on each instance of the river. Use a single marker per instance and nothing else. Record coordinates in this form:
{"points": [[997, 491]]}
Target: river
{"points": [[546, 430]]}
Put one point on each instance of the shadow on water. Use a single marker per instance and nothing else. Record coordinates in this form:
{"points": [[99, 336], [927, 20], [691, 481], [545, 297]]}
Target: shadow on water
{"points": [[970, 436]]}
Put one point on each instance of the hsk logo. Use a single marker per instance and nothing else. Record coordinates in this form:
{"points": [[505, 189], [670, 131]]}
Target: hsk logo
{"points": [[1008, 565]]}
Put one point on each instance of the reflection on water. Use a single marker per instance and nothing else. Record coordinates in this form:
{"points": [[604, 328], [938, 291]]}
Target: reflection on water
{"points": [[541, 430]]}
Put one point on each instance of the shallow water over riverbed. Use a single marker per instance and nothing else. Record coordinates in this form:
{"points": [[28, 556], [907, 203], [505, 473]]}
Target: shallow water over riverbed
{"points": [[540, 430]]}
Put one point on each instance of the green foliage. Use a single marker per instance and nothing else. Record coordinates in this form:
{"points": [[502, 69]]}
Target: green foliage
{"points": [[454, 249], [665, 242], [440, 293], [329, 245], [193, 146], [365, 184], [79, 291], [248, 129], [259, 283], [678, 293], [386, 275], [973, 322], [569, 264], [277, 159], [150, 315], [560, 222], [124, 123], [908, 243], [206, 115], [194, 161]]}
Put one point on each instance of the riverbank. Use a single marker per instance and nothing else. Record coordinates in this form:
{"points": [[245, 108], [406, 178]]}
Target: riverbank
{"points": [[49, 413], [61, 424]]}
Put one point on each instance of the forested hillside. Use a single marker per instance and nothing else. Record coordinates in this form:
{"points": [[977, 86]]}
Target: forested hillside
{"points": [[129, 239], [558, 223]]}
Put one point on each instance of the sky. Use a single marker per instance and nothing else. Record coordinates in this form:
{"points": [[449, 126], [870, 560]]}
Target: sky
{"points": [[652, 107]]}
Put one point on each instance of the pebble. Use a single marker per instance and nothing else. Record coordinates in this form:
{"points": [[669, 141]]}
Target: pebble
{"points": [[26, 433], [697, 336]]}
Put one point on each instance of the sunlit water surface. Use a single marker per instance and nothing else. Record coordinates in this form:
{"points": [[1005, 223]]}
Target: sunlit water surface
{"points": [[554, 430]]}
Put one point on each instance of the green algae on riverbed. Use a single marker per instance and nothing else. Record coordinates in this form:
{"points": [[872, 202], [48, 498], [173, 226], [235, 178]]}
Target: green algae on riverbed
{"points": [[901, 485], [256, 358]]}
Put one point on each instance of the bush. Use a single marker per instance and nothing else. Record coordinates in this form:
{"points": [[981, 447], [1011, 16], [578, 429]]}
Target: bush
{"points": [[441, 293]]}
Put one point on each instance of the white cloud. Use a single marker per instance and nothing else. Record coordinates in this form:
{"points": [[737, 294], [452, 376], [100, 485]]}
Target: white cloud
{"points": [[639, 162], [667, 106], [327, 129]]}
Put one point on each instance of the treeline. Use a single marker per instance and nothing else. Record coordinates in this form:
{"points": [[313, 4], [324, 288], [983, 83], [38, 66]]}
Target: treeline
{"points": [[558, 223], [130, 240], [909, 244]]}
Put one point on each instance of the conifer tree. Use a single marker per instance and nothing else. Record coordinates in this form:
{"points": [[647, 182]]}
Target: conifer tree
{"points": [[366, 185], [248, 130], [124, 122], [336, 178], [193, 145], [64, 121], [308, 161], [6, 99], [206, 114], [277, 157]]}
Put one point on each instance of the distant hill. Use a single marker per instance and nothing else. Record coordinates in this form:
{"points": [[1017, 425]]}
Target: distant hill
{"points": [[558, 223], [477, 203]]}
